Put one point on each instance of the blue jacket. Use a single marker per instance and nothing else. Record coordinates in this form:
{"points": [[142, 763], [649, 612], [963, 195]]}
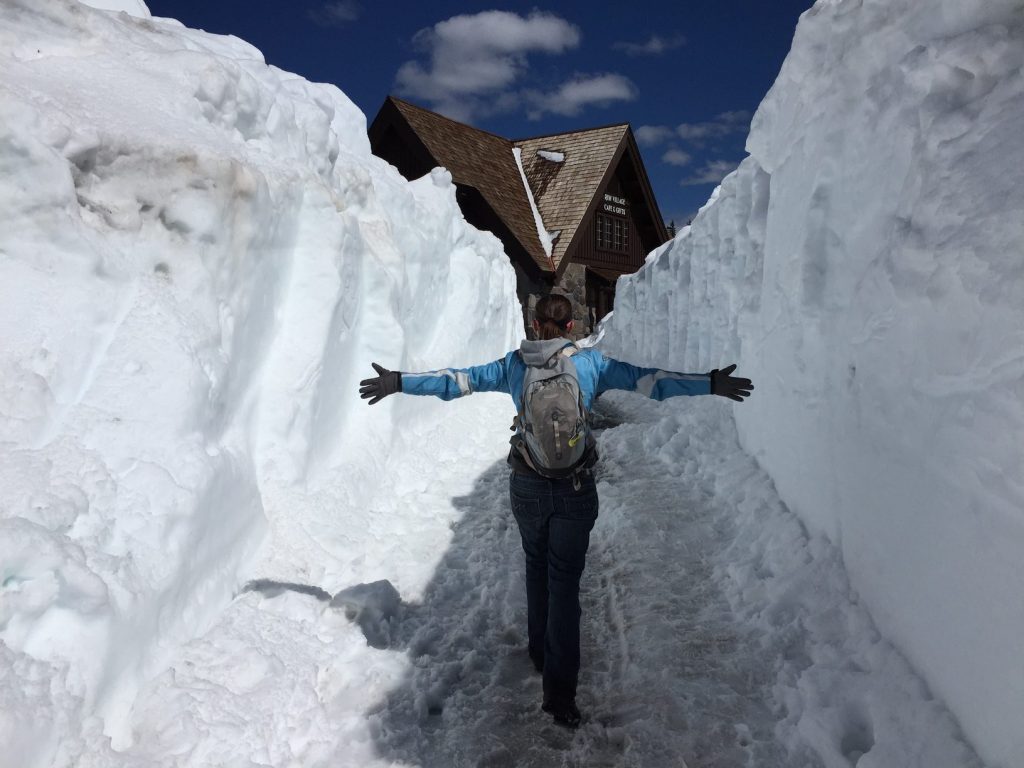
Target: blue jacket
{"points": [[596, 374]]}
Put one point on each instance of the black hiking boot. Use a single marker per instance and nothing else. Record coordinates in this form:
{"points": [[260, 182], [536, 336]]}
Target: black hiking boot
{"points": [[566, 715]]}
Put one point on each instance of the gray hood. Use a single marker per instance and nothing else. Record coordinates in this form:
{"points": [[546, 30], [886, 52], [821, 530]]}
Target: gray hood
{"points": [[538, 352]]}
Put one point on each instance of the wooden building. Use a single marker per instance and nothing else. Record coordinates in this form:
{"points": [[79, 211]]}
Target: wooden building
{"points": [[598, 214]]}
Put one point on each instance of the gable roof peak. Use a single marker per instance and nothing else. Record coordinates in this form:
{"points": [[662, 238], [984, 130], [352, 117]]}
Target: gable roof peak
{"points": [[557, 134], [565, 192]]}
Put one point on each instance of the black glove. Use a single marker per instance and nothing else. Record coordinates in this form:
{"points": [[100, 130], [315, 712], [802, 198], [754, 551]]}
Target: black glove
{"points": [[387, 383], [729, 386]]}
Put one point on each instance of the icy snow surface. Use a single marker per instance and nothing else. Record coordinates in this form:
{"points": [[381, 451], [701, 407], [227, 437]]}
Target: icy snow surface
{"points": [[863, 266], [213, 554]]}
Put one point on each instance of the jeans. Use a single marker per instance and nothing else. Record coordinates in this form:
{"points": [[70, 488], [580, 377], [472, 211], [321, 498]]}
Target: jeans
{"points": [[555, 520]]}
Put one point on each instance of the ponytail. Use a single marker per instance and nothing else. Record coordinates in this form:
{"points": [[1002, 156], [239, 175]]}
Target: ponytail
{"points": [[553, 312]]}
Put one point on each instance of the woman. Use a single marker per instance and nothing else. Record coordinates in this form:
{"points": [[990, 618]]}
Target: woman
{"points": [[555, 514]]}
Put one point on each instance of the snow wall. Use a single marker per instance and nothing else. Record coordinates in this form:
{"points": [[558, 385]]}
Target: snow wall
{"points": [[199, 258], [863, 266]]}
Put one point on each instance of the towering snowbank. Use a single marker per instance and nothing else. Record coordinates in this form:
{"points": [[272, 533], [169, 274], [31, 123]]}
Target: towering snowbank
{"points": [[863, 265], [199, 258]]}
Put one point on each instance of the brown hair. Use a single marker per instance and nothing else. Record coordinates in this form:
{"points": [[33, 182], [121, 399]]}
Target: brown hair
{"points": [[553, 312]]}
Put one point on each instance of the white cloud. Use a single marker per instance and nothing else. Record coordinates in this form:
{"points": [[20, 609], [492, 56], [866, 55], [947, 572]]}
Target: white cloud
{"points": [[676, 156], [738, 117], [698, 131], [476, 59], [579, 92], [712, 173], [651, 135], [335, 14], [655, 46], [724, 124]]}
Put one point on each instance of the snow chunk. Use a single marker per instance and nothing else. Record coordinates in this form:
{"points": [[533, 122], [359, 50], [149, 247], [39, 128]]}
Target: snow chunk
{"points": [[551, 155], [373, 607], [131, 7]]}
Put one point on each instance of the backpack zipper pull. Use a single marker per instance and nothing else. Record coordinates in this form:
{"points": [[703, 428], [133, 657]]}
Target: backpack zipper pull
{"points": [[575, 438]]}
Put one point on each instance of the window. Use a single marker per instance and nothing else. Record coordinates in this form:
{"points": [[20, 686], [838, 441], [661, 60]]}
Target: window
{"points": [[612, 233], [604, 233]]}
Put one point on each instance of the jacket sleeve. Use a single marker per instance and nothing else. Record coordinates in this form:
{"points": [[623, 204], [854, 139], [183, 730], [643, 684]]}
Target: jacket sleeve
{"points": [[651, 382], [451, 383]]}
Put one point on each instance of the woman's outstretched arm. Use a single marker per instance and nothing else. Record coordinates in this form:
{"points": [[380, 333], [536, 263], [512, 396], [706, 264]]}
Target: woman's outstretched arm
{"points": [[661, 385], [447, 383]]}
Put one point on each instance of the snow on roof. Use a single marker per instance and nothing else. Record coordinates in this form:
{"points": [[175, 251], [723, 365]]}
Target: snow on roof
{"points": [[549, 154], [542, 232], [477, 158]]}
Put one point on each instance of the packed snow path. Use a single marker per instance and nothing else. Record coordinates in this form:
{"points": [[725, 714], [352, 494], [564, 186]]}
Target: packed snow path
{"points": [[716, 633]]}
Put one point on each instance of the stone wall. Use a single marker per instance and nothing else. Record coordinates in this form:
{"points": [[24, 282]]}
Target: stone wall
{"points": [[573, 284]]}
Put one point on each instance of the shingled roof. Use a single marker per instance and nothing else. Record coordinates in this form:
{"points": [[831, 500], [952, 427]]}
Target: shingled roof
{"points": [[485, 162], [565, 182], [564, 190]]}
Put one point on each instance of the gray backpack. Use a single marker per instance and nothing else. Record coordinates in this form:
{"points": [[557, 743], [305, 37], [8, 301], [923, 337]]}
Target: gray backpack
{"points": [[554, 426]]}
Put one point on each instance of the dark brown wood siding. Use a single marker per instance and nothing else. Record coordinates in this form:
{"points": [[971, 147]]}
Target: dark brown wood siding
{"points": [[626, 261], [392, 139], [600, 295]]}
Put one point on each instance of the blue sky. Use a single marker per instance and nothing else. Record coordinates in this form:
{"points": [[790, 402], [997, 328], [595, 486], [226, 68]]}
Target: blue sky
{"points": [[686, 75]]}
